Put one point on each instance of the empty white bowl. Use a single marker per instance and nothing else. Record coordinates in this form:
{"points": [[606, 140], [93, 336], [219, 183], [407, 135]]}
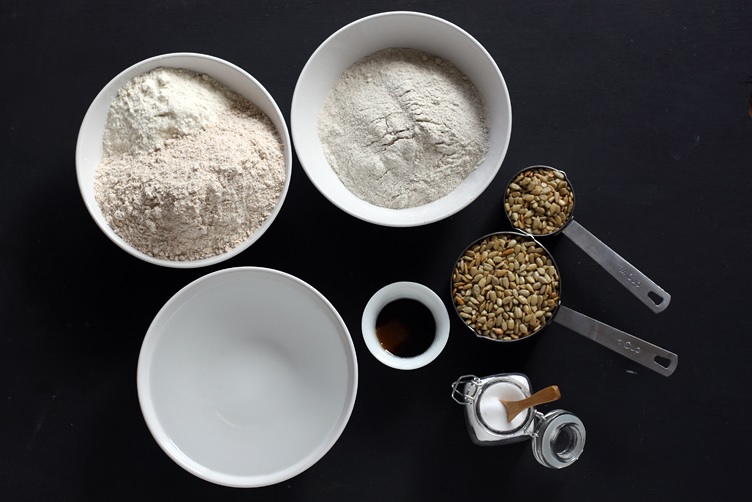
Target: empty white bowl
{"points": [[89, 144], [409, 291], [247, 377], [398, 30]]}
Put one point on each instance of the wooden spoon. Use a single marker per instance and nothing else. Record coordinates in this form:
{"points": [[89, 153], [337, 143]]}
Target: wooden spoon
{"points": [[543, 396]]}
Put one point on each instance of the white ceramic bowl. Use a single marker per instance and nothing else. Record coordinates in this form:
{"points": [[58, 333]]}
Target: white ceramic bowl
{"points": [[89, 145], [411, 291], [247, 377], [371, 34]]}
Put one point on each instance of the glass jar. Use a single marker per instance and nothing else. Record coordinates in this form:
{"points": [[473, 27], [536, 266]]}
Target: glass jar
{"points": [[558, 437]]}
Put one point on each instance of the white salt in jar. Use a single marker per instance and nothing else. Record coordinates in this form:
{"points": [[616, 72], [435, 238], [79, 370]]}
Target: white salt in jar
{"points": [[558, 437]]}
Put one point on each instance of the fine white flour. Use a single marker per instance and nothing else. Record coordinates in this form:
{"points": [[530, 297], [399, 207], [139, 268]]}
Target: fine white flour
{"points": [[190, 169], [159, 106], [402, 128]]}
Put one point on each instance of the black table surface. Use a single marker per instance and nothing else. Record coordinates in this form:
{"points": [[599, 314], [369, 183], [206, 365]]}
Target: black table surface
{"points": [[645, 104]]}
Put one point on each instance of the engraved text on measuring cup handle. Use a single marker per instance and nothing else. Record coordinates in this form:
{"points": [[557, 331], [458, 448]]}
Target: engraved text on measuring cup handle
{"points": [[647, 291], [640, 351]]}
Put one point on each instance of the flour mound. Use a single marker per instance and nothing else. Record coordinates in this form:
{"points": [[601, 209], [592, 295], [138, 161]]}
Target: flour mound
{"points": [[402, 128], [193, 182], [158, 106]]}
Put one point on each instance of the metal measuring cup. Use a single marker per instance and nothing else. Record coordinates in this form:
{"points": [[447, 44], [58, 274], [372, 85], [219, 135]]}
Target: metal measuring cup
{"points": [[506, 287], [526, 211]]}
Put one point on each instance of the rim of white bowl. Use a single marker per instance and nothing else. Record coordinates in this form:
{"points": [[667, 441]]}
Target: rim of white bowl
{"points": [[162, 437], [388, 216], [109, 91]]}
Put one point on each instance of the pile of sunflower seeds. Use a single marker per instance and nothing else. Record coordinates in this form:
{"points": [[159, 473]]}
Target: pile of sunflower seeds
{"points": [[539, 200], [505, 286]]}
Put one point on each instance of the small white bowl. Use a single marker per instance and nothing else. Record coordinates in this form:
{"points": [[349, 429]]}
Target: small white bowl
{"points": [[89, 144], [411, 291], [247, 377], [398, 30]]}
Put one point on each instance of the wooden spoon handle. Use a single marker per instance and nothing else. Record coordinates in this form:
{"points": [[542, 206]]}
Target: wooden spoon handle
{"points": [[546, 395]]}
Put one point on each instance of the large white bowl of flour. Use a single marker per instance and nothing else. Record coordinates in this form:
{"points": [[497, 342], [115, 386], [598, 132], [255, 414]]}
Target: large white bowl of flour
{"points": [[157, 217], [336, 120]]}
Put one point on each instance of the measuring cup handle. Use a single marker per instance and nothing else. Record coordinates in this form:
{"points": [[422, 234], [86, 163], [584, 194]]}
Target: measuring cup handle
{"points": [[635, 281], [645, 353]]}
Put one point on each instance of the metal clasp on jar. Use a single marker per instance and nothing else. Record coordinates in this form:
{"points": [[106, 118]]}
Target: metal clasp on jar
{"points": [[467, 387]]}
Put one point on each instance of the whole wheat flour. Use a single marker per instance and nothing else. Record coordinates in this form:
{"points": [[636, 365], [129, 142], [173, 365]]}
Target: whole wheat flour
{"points": [[402, 128], [190, 169]]}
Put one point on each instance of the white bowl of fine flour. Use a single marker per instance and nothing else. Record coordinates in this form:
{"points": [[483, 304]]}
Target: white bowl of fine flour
{"points": [[401, 119], [183, 160]]}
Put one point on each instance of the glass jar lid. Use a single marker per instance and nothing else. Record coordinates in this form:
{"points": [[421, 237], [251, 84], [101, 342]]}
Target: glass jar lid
{"points": [[559, 439]]}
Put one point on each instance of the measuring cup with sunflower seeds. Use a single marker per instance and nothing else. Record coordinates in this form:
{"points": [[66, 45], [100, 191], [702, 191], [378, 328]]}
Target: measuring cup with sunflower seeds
{"points": [[540, 202], [506, 287]]}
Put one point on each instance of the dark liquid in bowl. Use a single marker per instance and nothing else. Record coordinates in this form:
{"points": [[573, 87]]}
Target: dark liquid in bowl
{"points": [[405, 327]]}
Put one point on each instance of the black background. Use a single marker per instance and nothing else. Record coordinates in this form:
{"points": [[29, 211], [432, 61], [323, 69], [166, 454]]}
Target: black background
{"points": [[645, 104]]}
